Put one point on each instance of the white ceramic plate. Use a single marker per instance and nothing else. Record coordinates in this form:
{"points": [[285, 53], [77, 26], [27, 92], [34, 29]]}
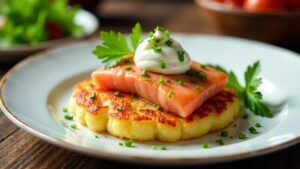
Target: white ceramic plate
{"points": [[34, 92], [84, 18]]}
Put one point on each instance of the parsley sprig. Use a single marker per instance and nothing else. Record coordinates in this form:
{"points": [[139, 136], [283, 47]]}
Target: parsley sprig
{"points": [[251, 97], [114, 46]]}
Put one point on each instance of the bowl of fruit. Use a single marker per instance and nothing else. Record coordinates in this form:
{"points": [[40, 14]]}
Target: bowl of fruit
{"points": [[273, 21], [29, 26]]}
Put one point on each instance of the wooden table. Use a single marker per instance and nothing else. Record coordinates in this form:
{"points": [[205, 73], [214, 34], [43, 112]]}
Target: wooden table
{"points": [[18, 149]]}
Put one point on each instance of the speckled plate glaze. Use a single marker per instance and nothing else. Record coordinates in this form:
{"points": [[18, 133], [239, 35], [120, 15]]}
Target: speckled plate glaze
{"points": [[84, 18], [34, 92]]}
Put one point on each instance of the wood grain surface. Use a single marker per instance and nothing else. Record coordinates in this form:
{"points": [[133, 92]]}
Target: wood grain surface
{"points": [[18, 149]]}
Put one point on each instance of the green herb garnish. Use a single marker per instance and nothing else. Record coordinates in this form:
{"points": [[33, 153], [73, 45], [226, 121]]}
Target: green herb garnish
{"points": [[181, 82], [68, 117], [154, 147], [198, 87], [220, 142], [128, 143], [169, 43], [180, 56], [224, 134], [96, 136], [73, 126], [145, 74], [253, 130], [205, 145], [117, 94], [119, 108], [242, 136], [170, 94], [249, 94], [162, 64], [161, 79], [257, 125], [163, 148], [114, 46], [65, 110], [92, 96], [128, 68], [156, 48]]}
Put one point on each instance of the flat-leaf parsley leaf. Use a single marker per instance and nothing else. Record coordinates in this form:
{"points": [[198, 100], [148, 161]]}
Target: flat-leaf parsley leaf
{"points": [[114, 46]]}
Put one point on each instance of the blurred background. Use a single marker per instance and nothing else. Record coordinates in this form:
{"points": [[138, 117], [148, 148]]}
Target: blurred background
{"points": [[271, 21]]}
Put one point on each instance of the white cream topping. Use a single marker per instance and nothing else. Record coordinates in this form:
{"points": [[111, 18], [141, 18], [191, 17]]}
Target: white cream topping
{"points": [[162, 54]]}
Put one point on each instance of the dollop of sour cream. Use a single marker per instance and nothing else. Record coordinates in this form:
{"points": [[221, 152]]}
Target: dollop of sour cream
{"points": [[162, 54]]}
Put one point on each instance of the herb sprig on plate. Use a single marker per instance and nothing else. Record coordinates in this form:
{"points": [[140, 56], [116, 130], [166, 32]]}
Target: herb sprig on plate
{"points": [[249, 94], [114, 46]]}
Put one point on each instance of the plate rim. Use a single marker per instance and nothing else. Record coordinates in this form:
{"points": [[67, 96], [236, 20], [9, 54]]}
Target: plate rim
{"points": [[130, 158]]}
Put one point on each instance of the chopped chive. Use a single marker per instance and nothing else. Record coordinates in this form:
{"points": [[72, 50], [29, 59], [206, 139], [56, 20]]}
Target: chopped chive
{"points": [[202, 77], [205, 145], [154, 147], [163, 148], [68, 117], [73, 126], [245, 116], [145, 74], [158, 107], [91, 85], [170, 94], [203, 66], [119, 108], [180, 56], [167, 32], [179, 81], [242, 136], [193, 81], [161, 29], [169, 43], [150, 34], [128, 143], [120, 144], [126, 61], [156, 48], [220, 142], [162, 64], [253, 130], [96, 136], [161, 79], [65, 110], [92, 95], [198, 87], [128, 68], [159, 39], [257, 125], [224, 134], [117, 94]]}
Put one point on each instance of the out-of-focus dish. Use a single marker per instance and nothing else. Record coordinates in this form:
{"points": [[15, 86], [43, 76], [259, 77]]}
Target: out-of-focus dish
{"points": [[273, 26], [40, 25]]}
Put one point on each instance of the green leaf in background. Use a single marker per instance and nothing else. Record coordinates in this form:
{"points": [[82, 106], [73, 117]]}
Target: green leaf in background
{"points": [[25, 20]]}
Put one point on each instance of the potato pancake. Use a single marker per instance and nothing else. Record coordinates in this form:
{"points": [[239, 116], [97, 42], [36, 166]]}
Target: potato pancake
{"points": [[128, 116]]}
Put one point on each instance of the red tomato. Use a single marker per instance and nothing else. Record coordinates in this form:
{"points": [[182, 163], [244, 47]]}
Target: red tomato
{"points": [[234, 3], [264, 5], [54, 30], [294, 4]]}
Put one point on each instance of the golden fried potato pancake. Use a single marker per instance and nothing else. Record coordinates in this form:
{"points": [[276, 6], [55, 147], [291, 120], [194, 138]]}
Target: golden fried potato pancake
{"points": [[128, 116]]}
